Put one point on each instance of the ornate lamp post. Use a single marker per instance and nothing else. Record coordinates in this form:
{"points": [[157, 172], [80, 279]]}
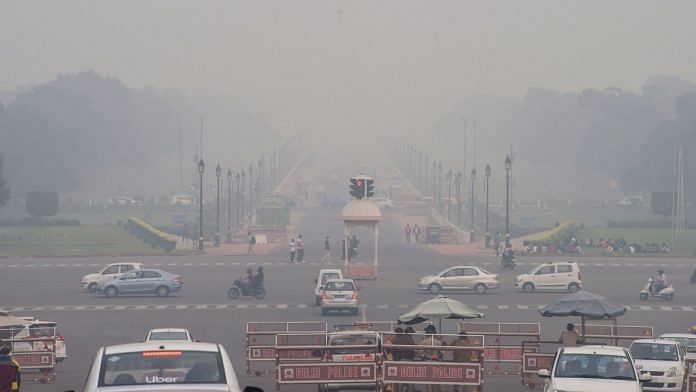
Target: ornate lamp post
{"points": [[238, 178], [229, 206], [473, 196], [201, 170], [508, 167], [458, 184], [259, 179], [439, 184], [426, 174], [218, 173], [486, 186], [251, 190], [434, 183], [243, 195], [449, 192]]}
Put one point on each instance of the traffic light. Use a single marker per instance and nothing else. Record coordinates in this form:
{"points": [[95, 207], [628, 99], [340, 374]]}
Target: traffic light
{"points": [[357, 188], [369, 187]]}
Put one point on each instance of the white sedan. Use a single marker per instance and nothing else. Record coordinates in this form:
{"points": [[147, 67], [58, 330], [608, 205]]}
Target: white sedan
{"points": [[111, 271], [460, 278], [181, 334]]}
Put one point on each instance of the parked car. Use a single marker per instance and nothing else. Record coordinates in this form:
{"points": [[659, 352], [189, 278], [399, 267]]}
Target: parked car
{"points": [[143, 281], [320, 281], [123, 201], [460, 278], [664, 360], [688, 340], [551, 276], [593, 368], [340, 295], [338, 353], [181, 200], [169, 334], [90, 281], [163, 366]]}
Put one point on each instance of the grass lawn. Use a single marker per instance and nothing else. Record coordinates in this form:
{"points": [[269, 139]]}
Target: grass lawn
{"points": [[71, 241], [686, 246]]}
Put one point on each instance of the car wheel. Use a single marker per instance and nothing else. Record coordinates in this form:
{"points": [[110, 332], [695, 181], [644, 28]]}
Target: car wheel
{"points": [[669, 297], [528, 287], [163, 291], [480, 288], [573, 287], [111, 291], [317, 300], [260, 293], [92, 287], [435, 288], [644, 296], [233, 293]]}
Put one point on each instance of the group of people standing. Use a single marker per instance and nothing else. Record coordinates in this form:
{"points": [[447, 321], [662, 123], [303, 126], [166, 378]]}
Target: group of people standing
{"points": [[297, 250], [412, 232]]}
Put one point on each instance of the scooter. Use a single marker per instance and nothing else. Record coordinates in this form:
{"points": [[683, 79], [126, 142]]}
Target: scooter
{"points": [[240, 287], [667, 293]]}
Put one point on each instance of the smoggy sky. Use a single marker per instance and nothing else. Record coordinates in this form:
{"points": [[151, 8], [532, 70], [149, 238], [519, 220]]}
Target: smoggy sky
{"points": [[345, 64]]}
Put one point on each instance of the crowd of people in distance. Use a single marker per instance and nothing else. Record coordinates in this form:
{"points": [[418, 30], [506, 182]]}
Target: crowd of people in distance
{"points": [[609, 246]]}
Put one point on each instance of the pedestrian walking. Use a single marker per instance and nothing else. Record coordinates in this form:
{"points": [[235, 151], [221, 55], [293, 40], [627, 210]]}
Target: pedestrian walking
{"points": [[300, 249], [185, 233], [353, 249], [327, 250], [497, 243], [293, 250], [343, 249], [416, 232], [407, 232], [252, 243], [10, 371]]}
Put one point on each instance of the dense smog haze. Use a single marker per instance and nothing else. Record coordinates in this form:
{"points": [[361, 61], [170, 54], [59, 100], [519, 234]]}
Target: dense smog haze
{"points": [[290, 195]]}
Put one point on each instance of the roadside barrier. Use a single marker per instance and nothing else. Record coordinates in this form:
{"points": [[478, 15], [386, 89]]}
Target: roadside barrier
{"points": [[261, 341], [503, 342]]}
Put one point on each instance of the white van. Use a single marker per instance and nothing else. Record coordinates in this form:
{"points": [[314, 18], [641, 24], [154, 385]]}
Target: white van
{"points": [[320, 281]]}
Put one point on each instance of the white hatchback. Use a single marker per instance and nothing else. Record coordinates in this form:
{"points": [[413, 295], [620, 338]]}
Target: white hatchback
{"points": [[158, 334], [551, 276], [593, 369], [665, 360], [111, 271], [320, 281]]}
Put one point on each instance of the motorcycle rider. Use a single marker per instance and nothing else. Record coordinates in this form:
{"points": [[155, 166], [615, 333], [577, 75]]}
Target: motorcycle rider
{"points": [[508, 255], [660, 283], [249, 281], [258, 279]]}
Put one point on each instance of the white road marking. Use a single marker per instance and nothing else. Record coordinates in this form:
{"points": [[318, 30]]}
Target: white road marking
{"points": [[687, 308], [667, 308], [181, 306], [282, 306], [141, 307], [644, 307]]}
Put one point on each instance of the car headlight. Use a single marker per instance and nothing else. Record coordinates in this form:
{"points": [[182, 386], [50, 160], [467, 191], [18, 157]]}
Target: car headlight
{"points": [[672, 372]]}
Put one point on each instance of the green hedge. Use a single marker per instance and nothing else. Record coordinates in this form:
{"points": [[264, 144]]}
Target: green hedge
{"points": [[34, 221], [150, 235]]}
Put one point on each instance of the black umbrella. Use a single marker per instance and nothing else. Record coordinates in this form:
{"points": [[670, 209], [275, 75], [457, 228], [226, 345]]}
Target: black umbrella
{"points": [[585, 305]]}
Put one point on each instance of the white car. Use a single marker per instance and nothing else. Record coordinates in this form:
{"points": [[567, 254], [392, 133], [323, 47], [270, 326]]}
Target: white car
{"points": [[460, 278], [593, 369], [371, 343], [157, 334], [123, 201], [664, 360], [320, 281], [383, 202], [551, 276], [181, 200], [111, 271], [35, 328], [340, 295], [688, 340], [163, 366]]}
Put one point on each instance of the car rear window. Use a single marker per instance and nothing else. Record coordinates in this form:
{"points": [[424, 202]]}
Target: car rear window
{"points": [[162, 367], [168, 336], [151, 274], [340, 286], [329, 276], [565, 268]]}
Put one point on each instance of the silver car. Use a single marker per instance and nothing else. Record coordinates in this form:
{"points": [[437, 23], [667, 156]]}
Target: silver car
{"points": [[144, 281], [163, 366], [460, 278], [339, 294]]}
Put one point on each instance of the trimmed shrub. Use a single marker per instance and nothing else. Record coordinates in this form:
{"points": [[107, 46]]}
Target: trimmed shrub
{"points": [[42, 203], [150, 235]]}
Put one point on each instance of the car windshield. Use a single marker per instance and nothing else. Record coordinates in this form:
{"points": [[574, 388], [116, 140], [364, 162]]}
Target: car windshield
{"points": [[340, 286], [168, 336], [329, 276], [689, 342], [594, 366], [162, 367], [354, 341], [655, 351], [484, 271]]}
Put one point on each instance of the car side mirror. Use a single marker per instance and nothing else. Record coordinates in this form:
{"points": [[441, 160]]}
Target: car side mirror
{"points": [[645, 377], [321, 287], [252, 389], [543, 373]]}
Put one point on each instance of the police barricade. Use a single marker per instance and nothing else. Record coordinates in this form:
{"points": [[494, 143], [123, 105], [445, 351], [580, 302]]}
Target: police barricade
{"points": [[333, 365], [608, 332], [426, 359], [33, 352], [361, 271], [691, 383], [375, 326], [260, 343], [537, 355], [503, 343]]}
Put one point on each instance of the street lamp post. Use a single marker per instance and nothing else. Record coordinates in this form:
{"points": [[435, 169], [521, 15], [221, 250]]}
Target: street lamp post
{"points": [[237, 178], [201, 170], [229, 206], [218, 173], [439, 184], [426, 174], [486, 186], [243, 195], [508, 167], [458, 184], [259, 179], [449, 192], [251, 190], [434, 183], [473, 197]]}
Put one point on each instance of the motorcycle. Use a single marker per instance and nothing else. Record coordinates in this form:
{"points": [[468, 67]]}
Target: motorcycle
{"points": [[240, 287], [693, 278], [508, 261], [666, 293]]}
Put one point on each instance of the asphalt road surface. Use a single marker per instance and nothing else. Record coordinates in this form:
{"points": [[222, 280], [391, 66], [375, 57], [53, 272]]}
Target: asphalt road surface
{"points": [[50, 290]]}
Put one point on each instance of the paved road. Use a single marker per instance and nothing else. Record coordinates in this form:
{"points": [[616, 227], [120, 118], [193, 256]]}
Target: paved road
{"points": [[50, 289]]}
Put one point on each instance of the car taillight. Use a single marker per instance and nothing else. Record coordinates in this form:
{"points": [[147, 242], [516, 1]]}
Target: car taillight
{"points": [[177, 279], [324, 295], [61, 338], [355, 296]]}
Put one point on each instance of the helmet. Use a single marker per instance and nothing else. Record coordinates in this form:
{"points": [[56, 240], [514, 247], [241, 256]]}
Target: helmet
{"points": [[249, 270], [5, 350]]}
